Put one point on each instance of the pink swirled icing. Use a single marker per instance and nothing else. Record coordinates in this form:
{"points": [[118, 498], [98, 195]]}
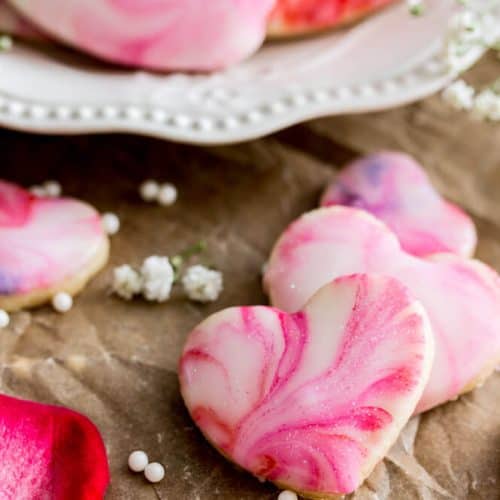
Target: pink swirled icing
{"points": [[157, 34], [461, 296], [44, 241], [14, 24], [311, 400], [395, 188]]}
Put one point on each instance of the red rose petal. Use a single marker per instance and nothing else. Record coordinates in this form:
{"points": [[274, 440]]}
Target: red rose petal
{"points": [[49, 452]]}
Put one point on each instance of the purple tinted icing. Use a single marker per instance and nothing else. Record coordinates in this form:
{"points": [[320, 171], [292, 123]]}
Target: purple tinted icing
{"points": [[350, 198], [375, 170], [8, 284]]}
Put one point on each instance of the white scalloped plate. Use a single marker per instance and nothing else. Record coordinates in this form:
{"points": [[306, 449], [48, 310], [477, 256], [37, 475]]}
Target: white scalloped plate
{"points": [[387, 60]]}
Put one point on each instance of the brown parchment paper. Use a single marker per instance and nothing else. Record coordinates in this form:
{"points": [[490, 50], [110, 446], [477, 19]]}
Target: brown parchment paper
{"points": [[116, 361]]}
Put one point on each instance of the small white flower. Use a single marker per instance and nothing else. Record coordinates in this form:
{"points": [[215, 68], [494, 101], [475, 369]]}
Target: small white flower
{"points": [[469, 29], [202, 284], [149, 190], [459, 95], [416, 7], [6, 43], [167, 194], [110, 223], [487, 105], [126, 282], [157, 278]]}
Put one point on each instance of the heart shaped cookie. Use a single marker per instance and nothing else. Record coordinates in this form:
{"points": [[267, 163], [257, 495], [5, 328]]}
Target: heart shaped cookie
{"points": [[311, 400], [49, 452], [298, 17], [47, 245], [461, 296], [156, 34], [395, 189]]}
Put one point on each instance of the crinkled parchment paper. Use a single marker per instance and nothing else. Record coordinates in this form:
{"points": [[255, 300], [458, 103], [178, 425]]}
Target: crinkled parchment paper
{"points": [[116, 361]]}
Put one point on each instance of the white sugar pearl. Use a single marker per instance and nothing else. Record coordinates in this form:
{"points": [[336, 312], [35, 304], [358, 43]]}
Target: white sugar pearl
{"points": [[167, 195], [154, 472], [149, 190], [52, 189], [110, 223], [287, 495], [62, 302], [138, 461], [4, 319]]}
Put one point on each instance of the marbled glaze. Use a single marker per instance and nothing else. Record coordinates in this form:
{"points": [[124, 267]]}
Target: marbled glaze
{"points": [[461, 296], [43, 241], [157, 34], [49, 452], [291, 17], [395, 188], [311, 400]]}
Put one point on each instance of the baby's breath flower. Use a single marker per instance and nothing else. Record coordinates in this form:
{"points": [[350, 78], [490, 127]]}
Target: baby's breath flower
{"points": [[416, 7], [6, 43], [157, 278], [202, 284], [487, 105], [459, 95], [127, 282]]}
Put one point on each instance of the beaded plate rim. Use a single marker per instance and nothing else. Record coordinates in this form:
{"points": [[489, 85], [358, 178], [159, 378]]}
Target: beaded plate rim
{"points": [[229, 125]]}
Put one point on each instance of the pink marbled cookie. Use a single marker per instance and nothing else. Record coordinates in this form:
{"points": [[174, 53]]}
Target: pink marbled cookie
{"points": [[14, 24], [156, 34], [313, 400], [395, 188], [461, 296], [47, 245]]}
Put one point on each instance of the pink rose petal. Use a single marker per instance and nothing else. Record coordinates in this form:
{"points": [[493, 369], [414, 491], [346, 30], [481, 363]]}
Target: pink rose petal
{"points": [[49, 452]]}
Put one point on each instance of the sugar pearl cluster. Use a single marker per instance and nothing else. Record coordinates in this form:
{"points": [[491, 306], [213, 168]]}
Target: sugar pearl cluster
{"points": [[164, 194], [138, 461]]}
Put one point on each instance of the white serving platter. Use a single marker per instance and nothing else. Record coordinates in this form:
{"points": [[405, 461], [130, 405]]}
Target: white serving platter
{"points": [[387, 60]]}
